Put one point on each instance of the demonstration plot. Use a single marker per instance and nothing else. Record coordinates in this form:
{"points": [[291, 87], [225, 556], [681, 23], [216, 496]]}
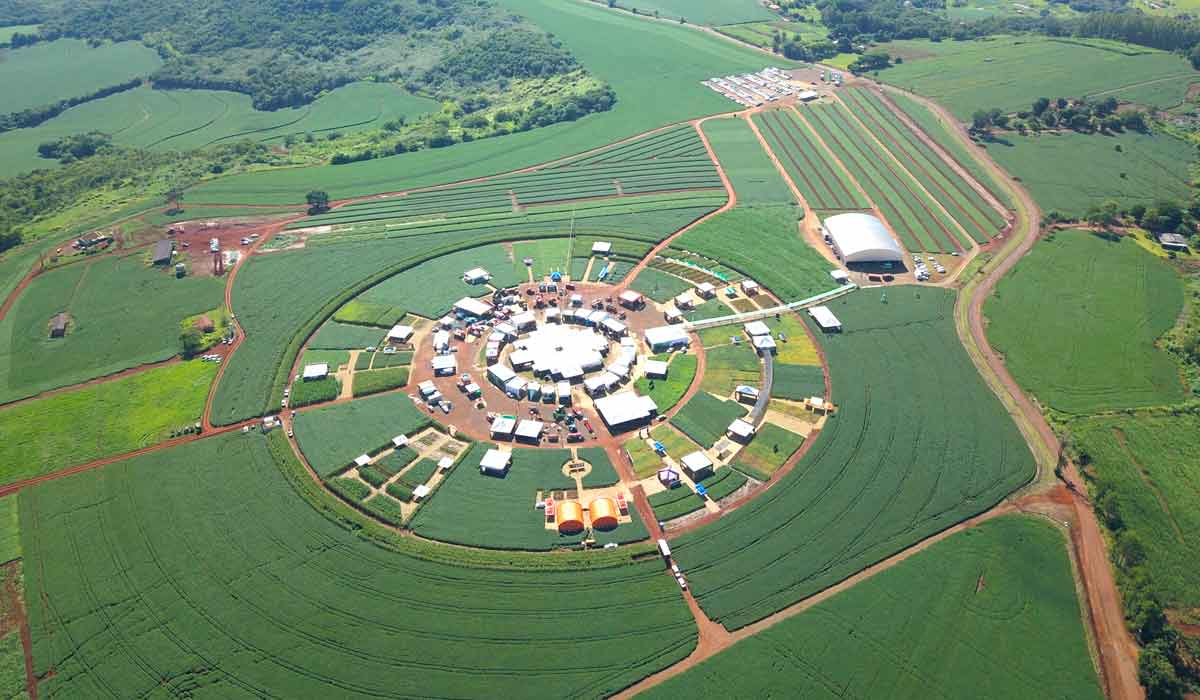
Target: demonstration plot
{"points": [[822, 182], [988, 613], [272, 597], [1109, 301], [885, 472]]}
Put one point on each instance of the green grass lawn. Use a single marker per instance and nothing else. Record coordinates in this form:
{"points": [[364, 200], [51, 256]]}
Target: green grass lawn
{"points": [[1071, 172], [704, 418], [1021, 69], [51, 433], [667, 392], [122, 313], [988, 613], [771, 447], [1100, 305], [755, 178]]}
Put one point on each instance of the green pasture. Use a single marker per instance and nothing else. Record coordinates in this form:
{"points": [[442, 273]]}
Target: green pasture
{"points": [[1104, 304], [681, 57], [159, 217], [755, 178], [704, 418], [332, 436], [292, 593], [1071, 172], [47, 72], [667, 392], [44, 435], [761, 34], [764, 244], [122, 314], [771, 447], [1145, 469], [478, 510], [6, 33], [185, 119], [871, 484], [822, 182], [707, 12], [990, 612], [549, 255], [1010, 72]]}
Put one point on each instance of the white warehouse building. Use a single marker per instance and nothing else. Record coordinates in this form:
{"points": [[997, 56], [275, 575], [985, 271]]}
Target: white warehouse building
{"points": [[861, 238]]}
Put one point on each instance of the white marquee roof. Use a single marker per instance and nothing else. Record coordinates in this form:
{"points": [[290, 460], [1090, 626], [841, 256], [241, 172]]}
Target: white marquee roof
{"points": [[861, 237], [625, 407]]}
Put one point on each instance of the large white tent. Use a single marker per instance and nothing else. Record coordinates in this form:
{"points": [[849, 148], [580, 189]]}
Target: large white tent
{"points": [[861, 238]]}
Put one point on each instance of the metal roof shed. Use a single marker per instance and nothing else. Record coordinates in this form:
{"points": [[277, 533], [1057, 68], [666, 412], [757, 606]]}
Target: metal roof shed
{"points": [[530, 430], [825, 318], [504, 425], [444, 365], [495, 462], [656, 369], [318, 370], [755, 328]]}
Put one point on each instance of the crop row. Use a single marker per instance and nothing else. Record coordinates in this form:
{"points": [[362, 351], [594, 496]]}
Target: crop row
{"points": [[822, 182], [975, 215], [885, 474], [678, 142], [908, 208]]}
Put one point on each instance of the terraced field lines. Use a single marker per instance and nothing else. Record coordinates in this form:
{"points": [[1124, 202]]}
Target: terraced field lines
{"points": [[920, 201], [825, 182], [932, 172], [899, 204]]}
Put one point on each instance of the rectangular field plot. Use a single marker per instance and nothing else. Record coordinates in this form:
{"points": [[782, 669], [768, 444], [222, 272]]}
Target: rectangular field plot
{"points": [[343, 336], [822, 182], [798, 382], [478, 510], [755, 178], [674, 503], [885, 472], [770, 449], [682, 141], [704, 418], [994, 609], [230, 557], [331, 437]]}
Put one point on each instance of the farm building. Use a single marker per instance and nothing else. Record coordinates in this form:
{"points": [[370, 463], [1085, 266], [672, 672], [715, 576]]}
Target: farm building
{"points": [[750, 287], [503, 426], [740, 430], [840, 276], [604, 513], [473, 308], [601, 248], [318, 370], [444, 365], [476, 275], [568, 517], [806, 95], [746, 394], [58, 326], [696, 465], [825, 319], [684, 301], [764, 344], [441, 340], [613, 327], [595, 386], [576, 300], [666, 338], [529, 430], [706, 290], [495, 463], [656, 369], [625, 409], [756, 328], [400, 334], [515, 387], [860, 238], [631, 299], [524, 321], [362, 461], [162, 252], [673, 315], [420, 492], [1173, 241], [564, 392]]}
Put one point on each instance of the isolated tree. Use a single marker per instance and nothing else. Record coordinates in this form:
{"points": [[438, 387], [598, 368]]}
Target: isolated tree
{"points": [[981, 120], [1040, 105], [174, 196], [192, 340], [318, 201]]}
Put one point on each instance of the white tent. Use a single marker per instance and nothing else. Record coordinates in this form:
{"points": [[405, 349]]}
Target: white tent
{"points": [[666, 338], [494, 462], [624, 408]]}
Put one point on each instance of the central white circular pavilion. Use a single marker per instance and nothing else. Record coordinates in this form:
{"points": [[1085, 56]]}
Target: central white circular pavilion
{"points": [[560, 351]]}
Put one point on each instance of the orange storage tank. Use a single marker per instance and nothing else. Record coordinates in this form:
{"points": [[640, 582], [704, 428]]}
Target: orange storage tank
{"points": [[569, 517], [604, 513]]}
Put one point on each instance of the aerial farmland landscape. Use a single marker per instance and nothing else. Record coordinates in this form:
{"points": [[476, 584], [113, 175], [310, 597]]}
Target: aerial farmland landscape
{"points": [[592, 348]]}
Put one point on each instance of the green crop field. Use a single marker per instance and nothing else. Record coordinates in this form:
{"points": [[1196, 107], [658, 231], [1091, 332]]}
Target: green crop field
{"points": [[45, 73], [645, 461], [671, 92], [764, 244], [708, 12], [729, 366], [363, 313], [1021, 69], [375, 381], [885, 472], [549, 255], [478, 510], [673, 503], [431, 289], [1145, 469], [659, 285], [822, 182], [771, 447], [667, 392], [122, 314], [673, 441], [911, 210], [990, 612], [47, 434], [755, 178], [704, 418], [275, 597], [723, 483], [798, 382], [10, 529], [183, 119], [1108, 302], [1071, 172], [332, 436], [938, 130], [334, 335]]}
